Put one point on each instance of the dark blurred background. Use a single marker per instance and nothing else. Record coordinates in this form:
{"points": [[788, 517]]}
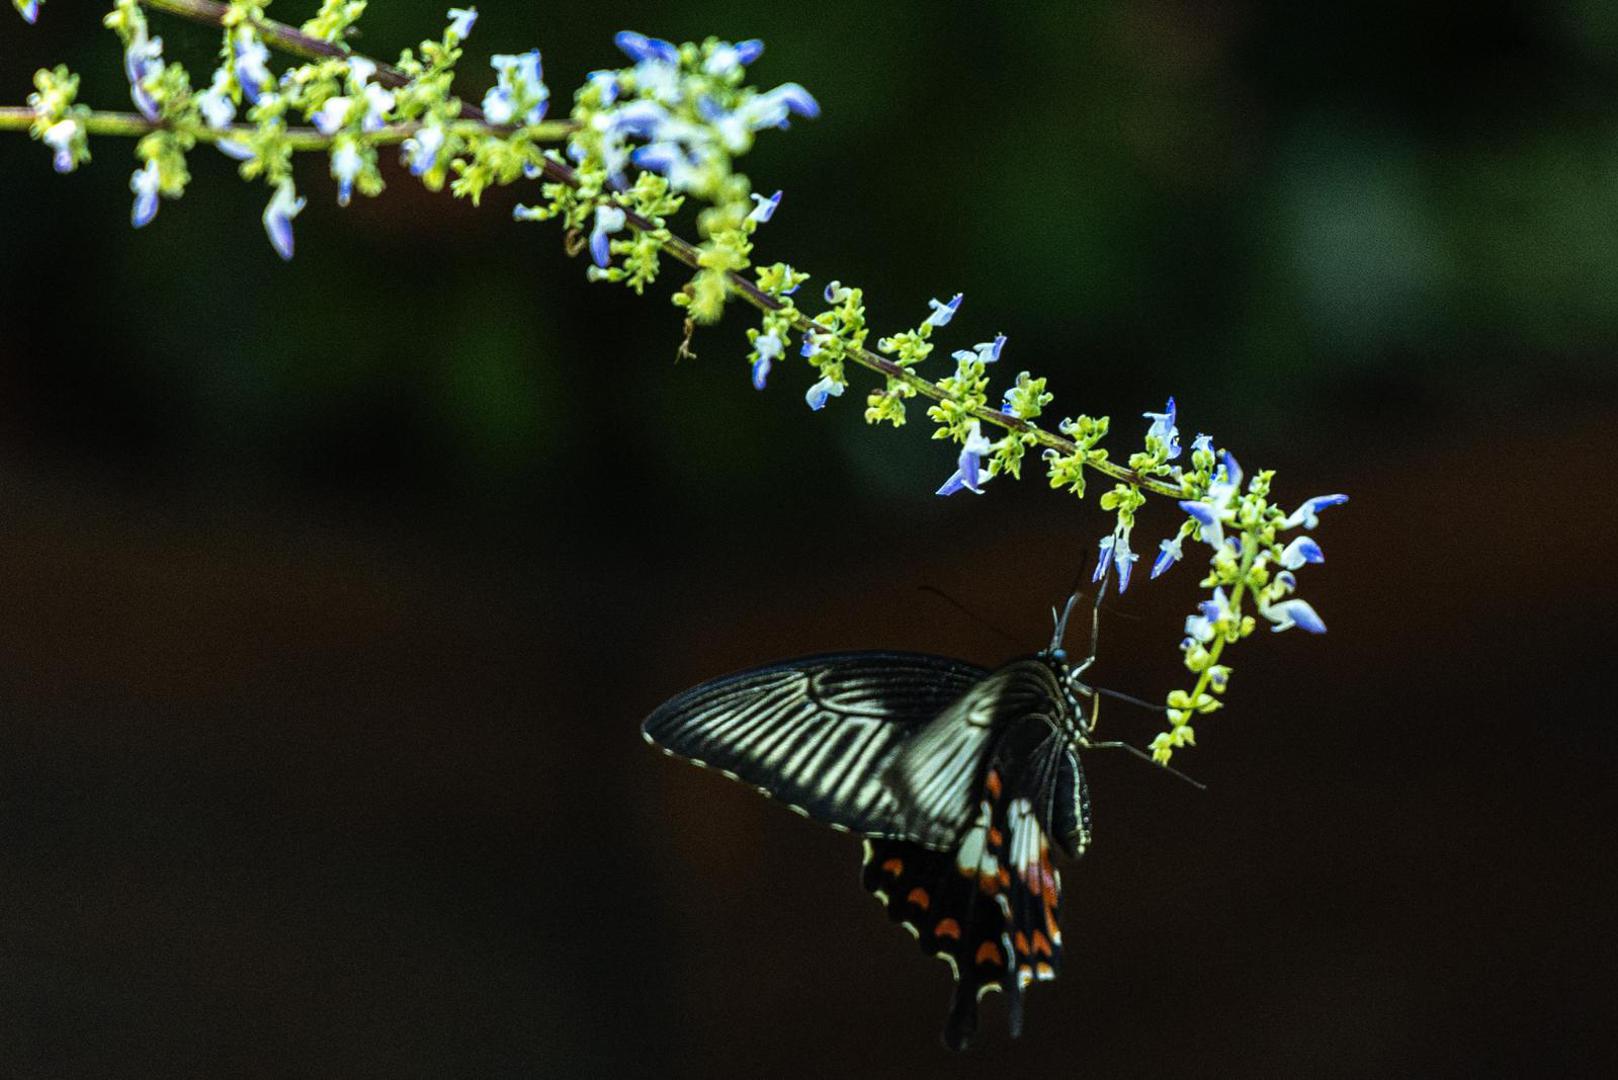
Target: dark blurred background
{"points": [[334, 592]]}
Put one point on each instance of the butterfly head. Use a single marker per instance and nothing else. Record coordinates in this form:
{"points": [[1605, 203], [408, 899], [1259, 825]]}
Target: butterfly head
{"points": [[1070, 675]]}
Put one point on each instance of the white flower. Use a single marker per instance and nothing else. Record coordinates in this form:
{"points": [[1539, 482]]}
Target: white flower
{"points": [[217, 108], [765, 208], [461, 21], [818, 393], [1307, 514], [942, 312]]}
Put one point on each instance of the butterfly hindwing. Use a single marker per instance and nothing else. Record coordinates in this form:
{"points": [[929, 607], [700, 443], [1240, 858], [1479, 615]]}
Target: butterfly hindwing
{"points": [[816, 733], [991, 907]]}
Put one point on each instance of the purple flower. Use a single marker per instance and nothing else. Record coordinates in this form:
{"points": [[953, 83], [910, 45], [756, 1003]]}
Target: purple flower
{"points": [[379, 102], [461, 21], [942, 312], [727, 58], [1290, 613], [285, 205], [521, 89], [986, 352], [1163, 428], [145, 186], [346, 164], [143, 59], [968, 466], [498, 106], [1168, 553], [252, 70], [235, 148], [1215, 509], [60, 138], [768, 347], [642, 119], [214, 102], [1208, 516], [836, 292], [605, 84], [640, 48], [608, 220], [764, 209], [796, 100], [1307, 515], [420, 152], [659, 157], [331, 115], [767, 110], [1114, 551], [1202, 626], [1300, 551], [818, 393]]}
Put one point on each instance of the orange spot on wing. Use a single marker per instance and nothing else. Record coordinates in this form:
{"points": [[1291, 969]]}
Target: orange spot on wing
{"points": [[996, 838], [1050, 925], [894, 867], [1045, 971], [947, 928], [1005, 878], [919, 897], [992, 784], [1020, 940], [1042, 944], [989, 953]]}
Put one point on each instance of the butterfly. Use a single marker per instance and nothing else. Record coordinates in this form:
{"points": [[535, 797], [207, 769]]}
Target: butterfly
{"points": [[960, 780]]}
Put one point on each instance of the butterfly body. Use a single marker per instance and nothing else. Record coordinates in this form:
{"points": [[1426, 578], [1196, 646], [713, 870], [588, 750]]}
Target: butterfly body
{"points": [[960, 780]]}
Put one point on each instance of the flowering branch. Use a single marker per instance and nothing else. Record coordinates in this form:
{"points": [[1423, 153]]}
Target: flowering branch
{"points": [[282, 36], [102, 122], [640, 143]]}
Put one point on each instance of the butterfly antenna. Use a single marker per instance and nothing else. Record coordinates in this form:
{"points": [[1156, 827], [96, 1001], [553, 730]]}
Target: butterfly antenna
{"points": [[1095, 626], [1144, 756], [1061, 621], [973, 615], [1132, 700]]}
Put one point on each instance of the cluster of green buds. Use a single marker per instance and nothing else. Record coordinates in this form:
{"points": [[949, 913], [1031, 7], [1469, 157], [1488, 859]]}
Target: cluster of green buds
{"points": [[645, 142]]}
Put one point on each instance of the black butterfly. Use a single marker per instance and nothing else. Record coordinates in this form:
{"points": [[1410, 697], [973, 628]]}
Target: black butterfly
{"points": [[959, 779]]}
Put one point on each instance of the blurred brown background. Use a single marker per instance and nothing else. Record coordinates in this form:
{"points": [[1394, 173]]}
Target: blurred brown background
{"points": [[334, 592]]}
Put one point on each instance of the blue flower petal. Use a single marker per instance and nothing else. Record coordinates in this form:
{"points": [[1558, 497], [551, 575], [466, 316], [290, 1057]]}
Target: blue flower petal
{"points": [[1300, 551], [1105, 558]]}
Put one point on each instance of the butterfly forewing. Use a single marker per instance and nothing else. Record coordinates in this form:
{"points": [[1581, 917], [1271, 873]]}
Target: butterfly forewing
{"points": [[816, 733], [937, 774]]}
